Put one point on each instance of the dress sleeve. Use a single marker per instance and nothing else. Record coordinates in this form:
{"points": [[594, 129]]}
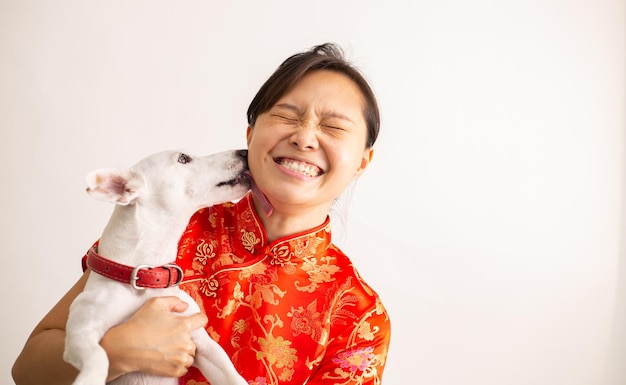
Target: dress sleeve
{"points": [[357, 350]]}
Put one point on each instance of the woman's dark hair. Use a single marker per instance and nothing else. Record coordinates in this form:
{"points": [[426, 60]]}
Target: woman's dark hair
{"points": [[326, 56]]}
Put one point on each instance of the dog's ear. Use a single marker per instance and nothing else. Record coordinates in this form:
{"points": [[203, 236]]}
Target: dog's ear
{"points": [[117, 185]]}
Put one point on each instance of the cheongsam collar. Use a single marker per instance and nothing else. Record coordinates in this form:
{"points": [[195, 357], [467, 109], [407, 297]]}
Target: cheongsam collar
{"points": [[285, 250]]}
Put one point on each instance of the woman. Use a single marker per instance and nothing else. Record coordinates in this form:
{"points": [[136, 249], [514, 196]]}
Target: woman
{"points": [[284, 302]]}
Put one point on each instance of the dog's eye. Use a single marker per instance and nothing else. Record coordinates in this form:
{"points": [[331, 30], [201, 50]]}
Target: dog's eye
{"points": [[184, 158]]}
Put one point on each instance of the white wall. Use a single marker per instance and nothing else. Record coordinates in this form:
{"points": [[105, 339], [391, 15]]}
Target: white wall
{"points": [[489, 221]]}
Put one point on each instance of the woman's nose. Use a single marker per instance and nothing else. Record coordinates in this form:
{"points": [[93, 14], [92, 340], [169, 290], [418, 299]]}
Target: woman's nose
{"points": [[305, 137]]}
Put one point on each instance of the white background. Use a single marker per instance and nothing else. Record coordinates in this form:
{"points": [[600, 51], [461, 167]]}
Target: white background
{"points": [[491, 221]]}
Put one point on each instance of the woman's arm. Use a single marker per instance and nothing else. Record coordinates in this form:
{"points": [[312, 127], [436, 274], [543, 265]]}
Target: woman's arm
{"points": [[154, 340], [41, 359], [357, 351]]}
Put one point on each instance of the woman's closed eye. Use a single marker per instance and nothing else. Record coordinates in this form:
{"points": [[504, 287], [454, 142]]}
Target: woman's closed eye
{"points": [[287, 119], [332, 127]]}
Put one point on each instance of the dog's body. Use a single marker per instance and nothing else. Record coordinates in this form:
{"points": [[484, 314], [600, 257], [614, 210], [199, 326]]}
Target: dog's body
{"points": [[154, 201]]}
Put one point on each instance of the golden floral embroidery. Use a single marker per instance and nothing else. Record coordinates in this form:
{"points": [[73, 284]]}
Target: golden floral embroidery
{"points": [[231, 306], [204, 252], [277, 351], [247, 216], [318, 273], [286, 374], [233, 303], [363, 330], [241, 326], [258, 269], [186, 243], [249, 240], [212, 219], [287, 313], [303, 247], [380, 309], [308, 321], [214, 335], [356, 366], [280, 255], [342, 303], [209, 286], [366, 332], [264, 293], [355, 360], [310, 364]]}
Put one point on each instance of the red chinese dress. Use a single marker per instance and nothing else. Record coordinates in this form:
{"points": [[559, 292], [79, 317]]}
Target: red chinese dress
{"points": [[293, 311]]}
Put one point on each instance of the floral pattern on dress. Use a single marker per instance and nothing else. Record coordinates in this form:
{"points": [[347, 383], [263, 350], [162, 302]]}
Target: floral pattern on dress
{"points": [[287, 312]]}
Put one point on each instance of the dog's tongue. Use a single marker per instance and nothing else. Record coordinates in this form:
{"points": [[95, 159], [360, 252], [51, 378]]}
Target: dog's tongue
{"points": [[265, 203]]}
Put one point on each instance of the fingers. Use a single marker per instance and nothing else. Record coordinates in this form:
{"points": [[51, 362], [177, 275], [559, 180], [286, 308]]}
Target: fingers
{"points": [[185, 367], [160, 338], [190, 361], [181, 360], [171, 304], [175, 368], [197, 321]]}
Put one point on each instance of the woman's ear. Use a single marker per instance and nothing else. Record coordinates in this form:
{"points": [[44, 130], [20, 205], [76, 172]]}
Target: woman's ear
{"points": [[248, 135], [365, 161]]}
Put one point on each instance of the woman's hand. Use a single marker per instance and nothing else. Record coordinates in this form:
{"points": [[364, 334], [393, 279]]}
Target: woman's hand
{"points": [[155, 340]]}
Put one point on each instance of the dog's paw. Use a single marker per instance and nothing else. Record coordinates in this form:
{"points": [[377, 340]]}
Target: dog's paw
{"points": [[91, 377], [93, 368]]}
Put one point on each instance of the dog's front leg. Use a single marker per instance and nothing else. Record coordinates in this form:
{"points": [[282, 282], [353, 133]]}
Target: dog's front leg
{"points": [[91, 314], [211, 358], [213, 361], [85, 353]]}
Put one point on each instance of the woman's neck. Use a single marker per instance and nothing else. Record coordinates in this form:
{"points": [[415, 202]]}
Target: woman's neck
{"points": [[284, 222]]}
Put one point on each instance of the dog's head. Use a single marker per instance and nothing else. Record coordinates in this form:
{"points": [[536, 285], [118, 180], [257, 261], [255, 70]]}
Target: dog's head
{"points": [[174, 180]]}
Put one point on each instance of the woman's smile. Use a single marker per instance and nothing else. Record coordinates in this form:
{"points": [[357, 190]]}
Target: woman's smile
{"points": [[303, 168]]}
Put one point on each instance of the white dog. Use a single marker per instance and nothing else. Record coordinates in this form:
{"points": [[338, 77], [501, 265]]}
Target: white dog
{"points": [[154, 201]]}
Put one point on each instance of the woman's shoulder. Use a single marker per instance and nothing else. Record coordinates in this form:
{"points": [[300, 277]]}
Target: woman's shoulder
{"points": [[353, 283], [359, 322]]}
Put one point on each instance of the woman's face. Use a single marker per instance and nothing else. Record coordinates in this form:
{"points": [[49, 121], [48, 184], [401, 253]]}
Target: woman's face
{"points": [[310, 145]]}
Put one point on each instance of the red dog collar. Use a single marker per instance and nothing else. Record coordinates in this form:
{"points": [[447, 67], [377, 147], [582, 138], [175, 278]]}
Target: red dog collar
{"points": [[139, 277]]}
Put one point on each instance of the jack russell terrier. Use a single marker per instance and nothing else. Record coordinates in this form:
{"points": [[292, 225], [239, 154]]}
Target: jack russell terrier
{"points": [[134, 259]]}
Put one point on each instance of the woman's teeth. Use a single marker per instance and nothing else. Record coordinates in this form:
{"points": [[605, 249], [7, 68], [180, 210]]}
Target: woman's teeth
{"points": [[300, 167]]}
